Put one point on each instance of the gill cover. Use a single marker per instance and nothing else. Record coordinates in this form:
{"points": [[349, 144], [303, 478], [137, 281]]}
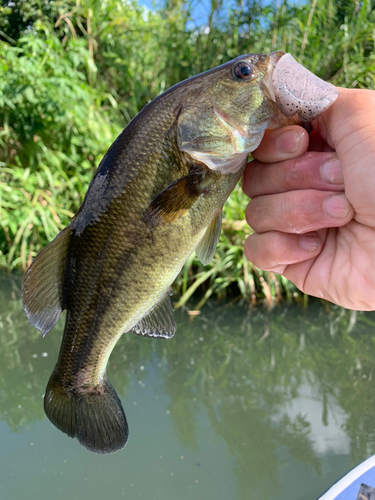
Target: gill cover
{"points": [[227, 119], [210, 136]]}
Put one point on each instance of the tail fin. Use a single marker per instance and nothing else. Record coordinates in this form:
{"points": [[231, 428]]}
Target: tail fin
{"points": [[96, 418]]}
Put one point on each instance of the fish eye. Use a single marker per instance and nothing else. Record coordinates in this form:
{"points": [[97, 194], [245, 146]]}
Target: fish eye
{"points": [[243, 70]]}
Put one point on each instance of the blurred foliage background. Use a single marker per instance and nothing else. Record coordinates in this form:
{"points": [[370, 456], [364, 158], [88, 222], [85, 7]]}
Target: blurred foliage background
{"points": [[74, 73]]}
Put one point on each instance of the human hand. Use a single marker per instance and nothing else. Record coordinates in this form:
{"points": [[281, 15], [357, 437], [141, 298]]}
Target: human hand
{"points": [[313, 203]]}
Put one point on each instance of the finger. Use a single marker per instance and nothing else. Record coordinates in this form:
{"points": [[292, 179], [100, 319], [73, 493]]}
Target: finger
{"points": [[298, 211], [348, 126], [340, 123], [310, 171], [312, 276], [281, 144], [275, 251]]}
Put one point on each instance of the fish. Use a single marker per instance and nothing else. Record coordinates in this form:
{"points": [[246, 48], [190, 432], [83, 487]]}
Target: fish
{"points": [[156, 197]]}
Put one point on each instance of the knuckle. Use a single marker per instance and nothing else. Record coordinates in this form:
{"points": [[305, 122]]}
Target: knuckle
{"points": [[293, 173]]}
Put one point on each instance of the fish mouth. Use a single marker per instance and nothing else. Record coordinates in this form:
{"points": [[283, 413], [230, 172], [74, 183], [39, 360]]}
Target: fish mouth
{"points": [[267, 82], [296, 90]]}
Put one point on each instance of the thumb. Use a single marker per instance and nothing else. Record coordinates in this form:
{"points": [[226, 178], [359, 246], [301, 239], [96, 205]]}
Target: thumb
{"points": [[348, 126]]}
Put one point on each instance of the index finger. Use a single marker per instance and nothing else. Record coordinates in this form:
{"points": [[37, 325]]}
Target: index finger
{"points": [[282, 144]]}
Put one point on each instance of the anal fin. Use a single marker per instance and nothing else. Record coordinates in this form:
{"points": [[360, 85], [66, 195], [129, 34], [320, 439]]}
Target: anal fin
{"points": [[207, 246], [42, 285], [159, 322]]}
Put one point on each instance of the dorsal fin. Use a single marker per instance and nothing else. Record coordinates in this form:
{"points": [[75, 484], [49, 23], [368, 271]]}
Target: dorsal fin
{"points": [[43, 282], [159, 322], [207, 246]]}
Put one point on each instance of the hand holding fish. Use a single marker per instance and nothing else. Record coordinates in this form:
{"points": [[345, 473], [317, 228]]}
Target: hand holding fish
{"points": [[313, 206]]}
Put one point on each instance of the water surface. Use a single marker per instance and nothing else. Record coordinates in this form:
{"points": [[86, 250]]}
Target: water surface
{"points": [[240, 404]]}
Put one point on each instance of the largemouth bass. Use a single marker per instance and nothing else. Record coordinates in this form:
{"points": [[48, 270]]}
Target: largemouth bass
{"points": [[156, 197]]}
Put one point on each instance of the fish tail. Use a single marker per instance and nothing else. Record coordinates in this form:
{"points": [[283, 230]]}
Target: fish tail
{"points": [[95, 417]]}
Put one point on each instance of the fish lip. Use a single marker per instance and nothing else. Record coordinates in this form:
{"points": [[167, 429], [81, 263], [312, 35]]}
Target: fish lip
{"points": [[276, 56], [266, 83]]}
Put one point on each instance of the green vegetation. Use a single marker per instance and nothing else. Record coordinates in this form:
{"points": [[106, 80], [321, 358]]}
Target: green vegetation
{"points": [[73, 74]]}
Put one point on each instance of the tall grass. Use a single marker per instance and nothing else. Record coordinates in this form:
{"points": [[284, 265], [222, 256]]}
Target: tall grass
{"points": [[75, 73]]}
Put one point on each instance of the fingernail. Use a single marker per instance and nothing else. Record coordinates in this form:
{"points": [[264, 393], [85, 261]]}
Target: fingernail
{"points": [[331, 171], [288, 141], [310, 243], [337, 206]]}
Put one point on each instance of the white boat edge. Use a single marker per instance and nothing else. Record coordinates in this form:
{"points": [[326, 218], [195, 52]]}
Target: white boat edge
{"points": [[348, 479]]}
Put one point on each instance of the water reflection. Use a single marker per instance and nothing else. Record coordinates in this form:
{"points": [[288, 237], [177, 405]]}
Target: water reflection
{"points": [[278, 388]]}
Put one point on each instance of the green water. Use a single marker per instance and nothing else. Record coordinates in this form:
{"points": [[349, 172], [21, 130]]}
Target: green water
{"points": [[240, 404]]}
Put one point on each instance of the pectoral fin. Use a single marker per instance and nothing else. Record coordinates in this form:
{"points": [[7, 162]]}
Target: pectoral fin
{"points": [[172, 203], [207, 246], [159, 322], [42, 286]]}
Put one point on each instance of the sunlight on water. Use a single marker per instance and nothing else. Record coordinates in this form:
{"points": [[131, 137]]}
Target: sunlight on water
{"points": [[240, 404]]}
